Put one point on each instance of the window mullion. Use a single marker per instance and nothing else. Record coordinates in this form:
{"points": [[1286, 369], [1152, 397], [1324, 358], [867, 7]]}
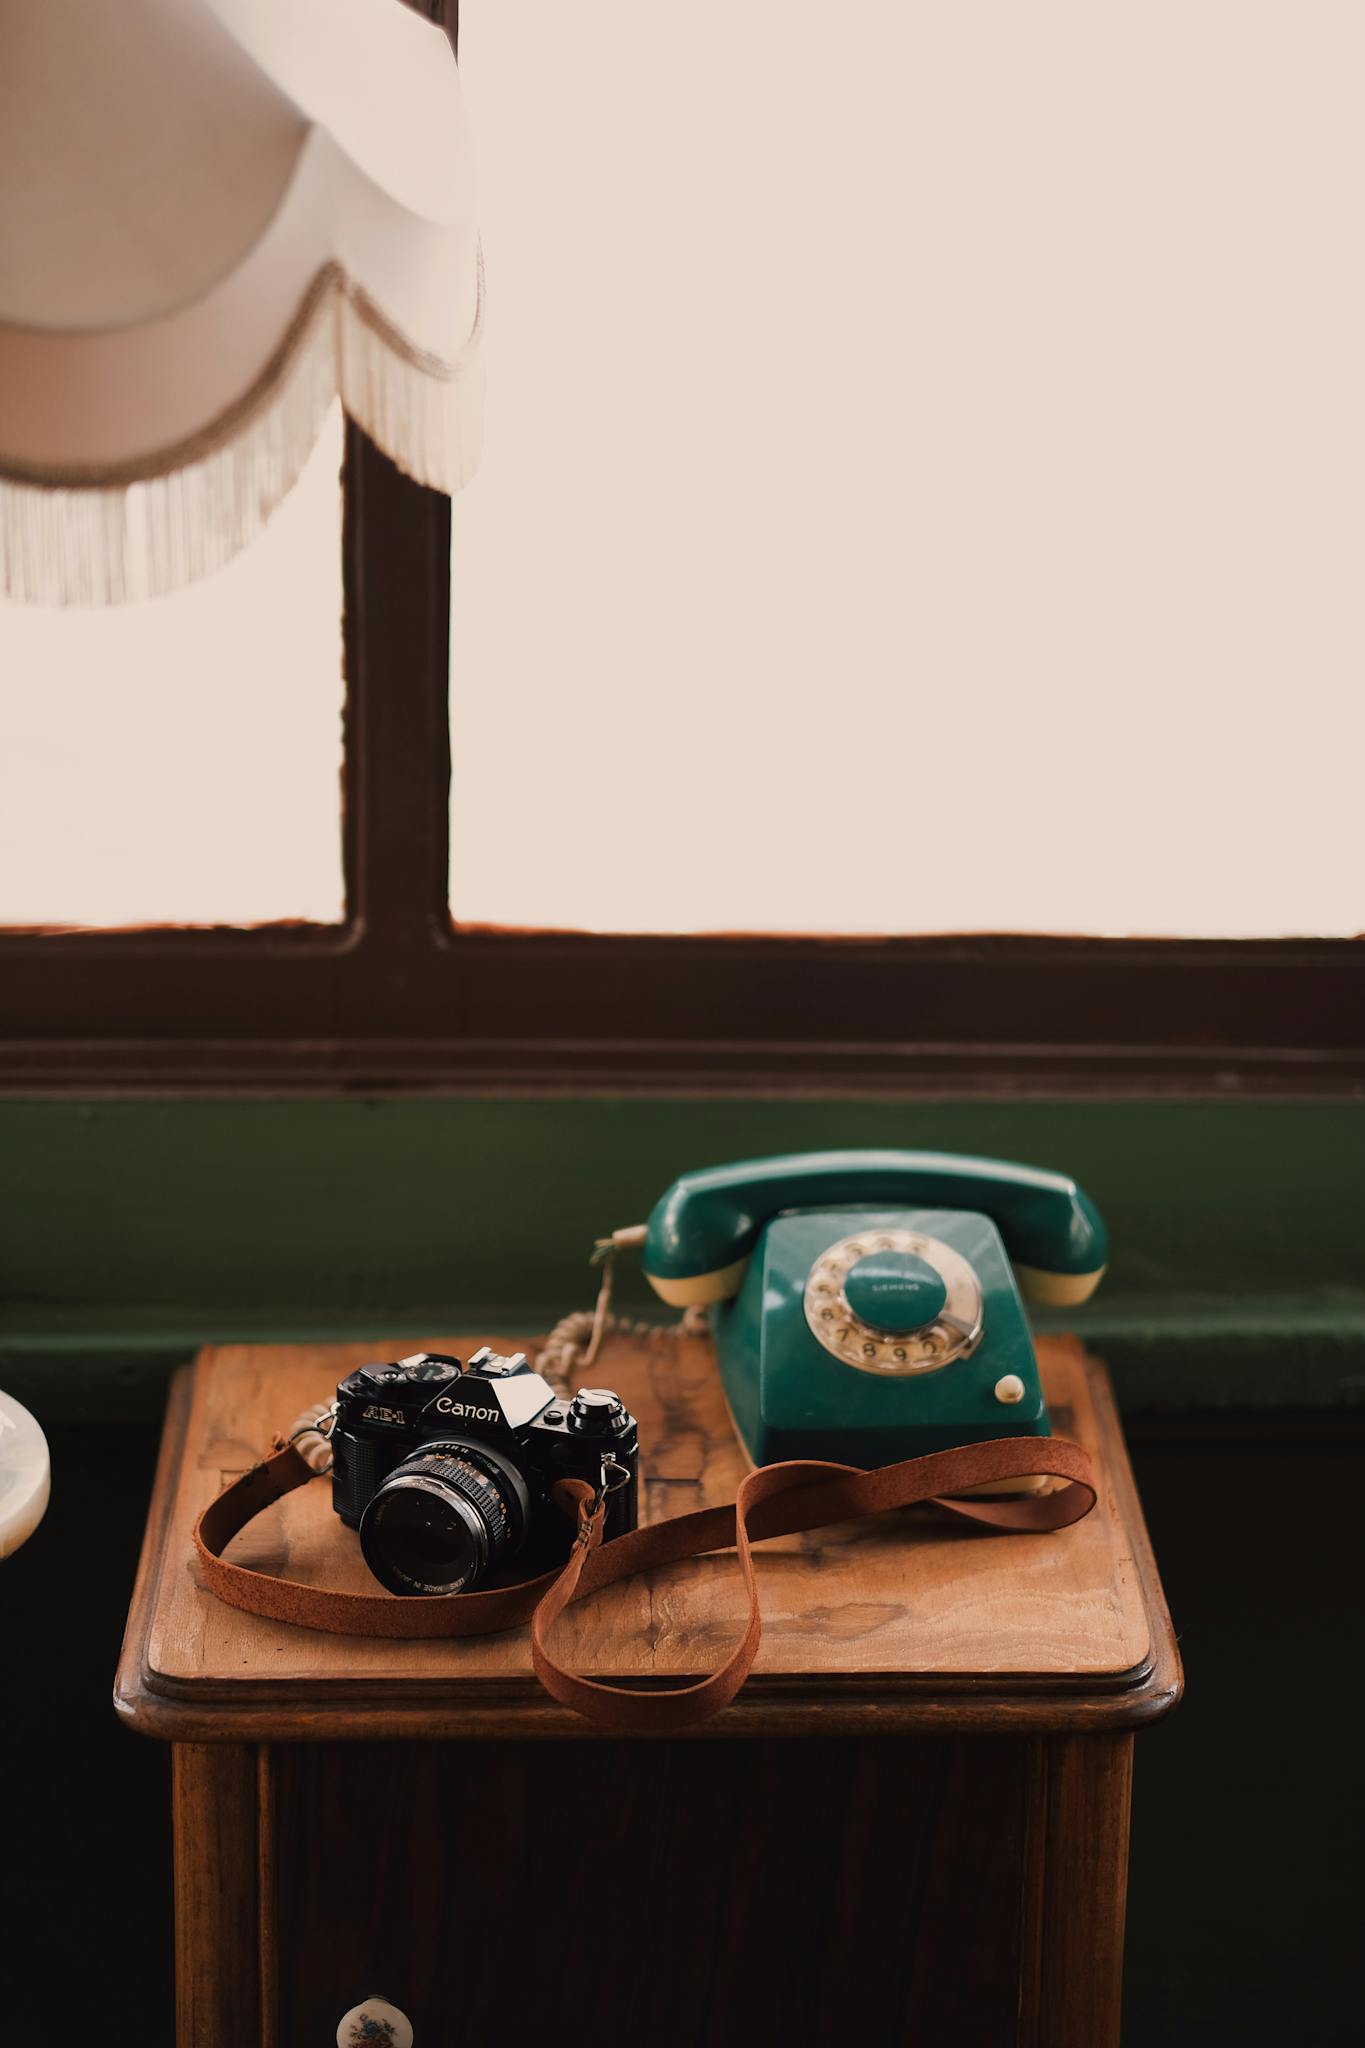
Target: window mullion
{"points": [[397, 775]]}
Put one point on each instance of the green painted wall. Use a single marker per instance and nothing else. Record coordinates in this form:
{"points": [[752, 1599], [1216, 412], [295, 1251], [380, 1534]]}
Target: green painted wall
{"points": [[130, 1230]]}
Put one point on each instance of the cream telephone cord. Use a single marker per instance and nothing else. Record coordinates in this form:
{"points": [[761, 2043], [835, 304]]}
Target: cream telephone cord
{"points": [[576, 1339], [571, 1346]]}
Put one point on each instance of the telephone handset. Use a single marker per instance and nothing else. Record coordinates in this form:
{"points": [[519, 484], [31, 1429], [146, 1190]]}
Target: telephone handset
{"points": [[866, 1304]]}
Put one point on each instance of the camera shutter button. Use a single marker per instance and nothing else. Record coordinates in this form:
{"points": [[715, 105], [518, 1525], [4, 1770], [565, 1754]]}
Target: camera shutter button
{"points": [[595, 1408]]}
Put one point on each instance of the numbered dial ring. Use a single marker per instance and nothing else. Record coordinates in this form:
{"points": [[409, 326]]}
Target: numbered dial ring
{"points": [[952, 1332]]}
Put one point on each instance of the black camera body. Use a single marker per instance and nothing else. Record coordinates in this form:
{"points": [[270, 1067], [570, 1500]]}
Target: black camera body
{"points": [[447, 1471]]}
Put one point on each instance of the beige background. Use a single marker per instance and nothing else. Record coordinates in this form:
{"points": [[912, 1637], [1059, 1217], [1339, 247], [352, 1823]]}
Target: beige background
{"points": [[181, 759], [923, 490], [924, 466]]}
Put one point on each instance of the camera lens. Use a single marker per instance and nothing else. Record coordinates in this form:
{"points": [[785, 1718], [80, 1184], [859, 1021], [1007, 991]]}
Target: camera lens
{"points": [[444, 1519]]}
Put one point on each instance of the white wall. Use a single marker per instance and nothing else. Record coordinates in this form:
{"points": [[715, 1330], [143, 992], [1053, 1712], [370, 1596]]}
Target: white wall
{"points": [[925, 466]]}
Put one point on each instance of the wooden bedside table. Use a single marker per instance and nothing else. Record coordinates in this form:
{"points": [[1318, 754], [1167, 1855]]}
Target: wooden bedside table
{"points": [[911, 1826]]}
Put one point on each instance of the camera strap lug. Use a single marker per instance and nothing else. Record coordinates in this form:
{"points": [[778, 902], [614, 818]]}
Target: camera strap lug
{"points": [[310, 1436], [614, 1475], [607, 1484]]}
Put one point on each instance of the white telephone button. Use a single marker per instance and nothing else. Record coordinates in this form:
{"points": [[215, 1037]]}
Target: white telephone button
{"points": [[1010, 1388]]}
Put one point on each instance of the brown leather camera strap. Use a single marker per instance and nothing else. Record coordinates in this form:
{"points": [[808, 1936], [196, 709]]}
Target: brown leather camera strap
{"points": [[776, 1500]]}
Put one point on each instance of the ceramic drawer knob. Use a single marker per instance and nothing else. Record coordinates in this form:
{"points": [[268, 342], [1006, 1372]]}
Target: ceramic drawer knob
{"points": [[374, 2023], [24, 1478]]}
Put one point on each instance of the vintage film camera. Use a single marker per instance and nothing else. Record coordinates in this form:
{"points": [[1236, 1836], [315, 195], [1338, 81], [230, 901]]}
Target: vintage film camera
{"points": [[447, 1473]]}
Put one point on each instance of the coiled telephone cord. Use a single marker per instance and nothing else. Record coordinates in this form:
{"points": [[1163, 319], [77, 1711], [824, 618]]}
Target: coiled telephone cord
{"points": [[576, 1339], [571, 1347]]}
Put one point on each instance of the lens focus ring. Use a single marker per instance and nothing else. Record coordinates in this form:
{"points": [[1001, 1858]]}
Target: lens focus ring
{"points": [[443, 1519], [475, 1486]]}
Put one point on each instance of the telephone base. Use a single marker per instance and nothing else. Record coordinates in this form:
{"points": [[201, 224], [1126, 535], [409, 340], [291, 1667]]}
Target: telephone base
{"points": [[1029, 1482]]}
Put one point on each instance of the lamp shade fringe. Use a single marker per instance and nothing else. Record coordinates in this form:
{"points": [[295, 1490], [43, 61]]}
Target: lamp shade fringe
{"points": [[92, 540]]}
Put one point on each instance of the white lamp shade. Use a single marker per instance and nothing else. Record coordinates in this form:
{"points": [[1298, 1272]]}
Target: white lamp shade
{"points": [[215, 217]]}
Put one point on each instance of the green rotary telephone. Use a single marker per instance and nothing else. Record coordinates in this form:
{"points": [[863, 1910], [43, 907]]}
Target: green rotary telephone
{"points": [[867, 1306]]}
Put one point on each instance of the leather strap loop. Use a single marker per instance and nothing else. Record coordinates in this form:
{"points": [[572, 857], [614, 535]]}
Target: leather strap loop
{"points": [[775, 1500]]}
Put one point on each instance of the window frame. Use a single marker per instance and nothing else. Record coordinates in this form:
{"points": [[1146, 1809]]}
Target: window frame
{"points": [[399, 996]]}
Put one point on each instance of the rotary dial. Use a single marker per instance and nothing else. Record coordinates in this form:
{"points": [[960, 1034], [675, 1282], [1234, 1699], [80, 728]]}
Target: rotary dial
{"points": [[896, 1276]]}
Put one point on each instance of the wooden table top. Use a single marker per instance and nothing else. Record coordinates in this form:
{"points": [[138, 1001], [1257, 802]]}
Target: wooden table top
{"points": [[903, 1624]]}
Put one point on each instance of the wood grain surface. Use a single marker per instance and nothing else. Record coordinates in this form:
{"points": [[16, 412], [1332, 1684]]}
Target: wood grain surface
{"points": [[214, 1802], [784, 1894], [962, 1881], [869, 1617]]}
